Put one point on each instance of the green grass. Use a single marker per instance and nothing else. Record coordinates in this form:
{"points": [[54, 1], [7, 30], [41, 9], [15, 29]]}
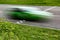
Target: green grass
{"points": [[32, 2], [11, 31]]}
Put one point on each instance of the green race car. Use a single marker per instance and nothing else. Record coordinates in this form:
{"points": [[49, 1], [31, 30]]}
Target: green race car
{"points": [[29, 14]]}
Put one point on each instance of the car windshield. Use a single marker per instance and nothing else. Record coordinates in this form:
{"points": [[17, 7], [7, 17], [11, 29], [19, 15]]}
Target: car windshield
{"points": [[17, 10]]}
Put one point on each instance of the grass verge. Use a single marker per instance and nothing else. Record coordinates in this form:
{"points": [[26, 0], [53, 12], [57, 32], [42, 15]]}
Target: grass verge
{"points": [[11, 31], [32, 2]]}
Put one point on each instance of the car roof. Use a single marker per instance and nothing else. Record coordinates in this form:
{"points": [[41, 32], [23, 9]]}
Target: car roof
{"points": [[25, 8]]}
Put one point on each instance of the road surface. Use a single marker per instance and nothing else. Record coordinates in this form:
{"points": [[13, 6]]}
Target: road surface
{"points": [[54, 23]]}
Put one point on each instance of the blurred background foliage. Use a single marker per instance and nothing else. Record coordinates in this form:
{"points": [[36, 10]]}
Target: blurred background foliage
{"points": [[32, 2]]}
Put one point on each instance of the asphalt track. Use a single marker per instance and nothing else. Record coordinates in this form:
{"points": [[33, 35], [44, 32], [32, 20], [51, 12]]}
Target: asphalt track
{"points": [[54, 23]]}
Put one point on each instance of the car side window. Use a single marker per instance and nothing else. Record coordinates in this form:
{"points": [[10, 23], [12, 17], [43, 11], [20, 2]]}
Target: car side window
{"points": [[17, 10]]}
